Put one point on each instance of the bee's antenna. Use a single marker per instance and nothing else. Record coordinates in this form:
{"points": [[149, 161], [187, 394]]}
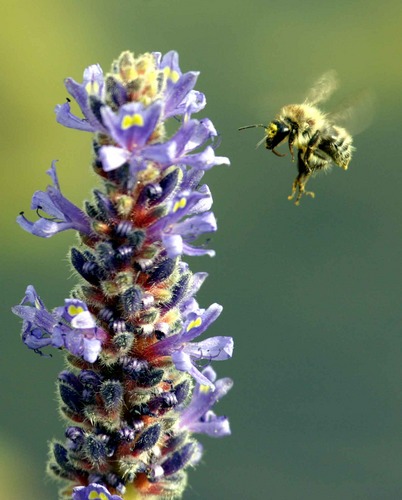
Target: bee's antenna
{"points": [[253, 126]]}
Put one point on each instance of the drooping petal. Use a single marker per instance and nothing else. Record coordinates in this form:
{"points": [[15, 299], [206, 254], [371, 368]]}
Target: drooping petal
{"points": [[182, 362], [63, 214], [213, 348], [85, 93], [196, 325], [67, 119], [197, 416], [71, 326]]}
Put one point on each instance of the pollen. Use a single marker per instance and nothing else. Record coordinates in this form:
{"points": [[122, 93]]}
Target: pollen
{"points": [[179, 204], [135, 120], [272, 130], [194, 324]]}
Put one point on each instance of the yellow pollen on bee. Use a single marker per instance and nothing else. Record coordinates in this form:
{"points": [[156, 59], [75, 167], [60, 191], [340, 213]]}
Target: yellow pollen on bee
{"points": [[179, 204], [135, 120], [194, 324], [92, 87], [272, 130], [171, 74], [94, 495], [74, 310]]}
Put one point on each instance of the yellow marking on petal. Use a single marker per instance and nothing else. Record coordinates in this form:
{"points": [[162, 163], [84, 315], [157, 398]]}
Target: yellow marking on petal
{"points": [[135, 120], [205, 388], [92, 87], [179, 204], [94, 495], [171, 74], [194, 324], [74, 310]]}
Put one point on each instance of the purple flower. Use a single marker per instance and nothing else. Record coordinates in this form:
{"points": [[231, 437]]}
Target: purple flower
{"points": [[184, 352], [131, 128], [198, 416], [93, 492], [64, 214], [179, 96], [92, 85], [70, 326], [185, 222], [126, 395], [192, 135]]}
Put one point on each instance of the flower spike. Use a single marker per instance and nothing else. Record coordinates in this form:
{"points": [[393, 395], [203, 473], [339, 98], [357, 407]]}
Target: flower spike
{"points": [[134, 392]]}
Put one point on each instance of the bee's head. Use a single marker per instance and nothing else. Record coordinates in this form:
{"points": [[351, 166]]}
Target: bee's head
{"points": [[276, 133]]}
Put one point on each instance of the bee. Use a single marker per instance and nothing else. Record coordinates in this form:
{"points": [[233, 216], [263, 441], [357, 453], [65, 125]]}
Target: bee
{"points": [[319, 141]]}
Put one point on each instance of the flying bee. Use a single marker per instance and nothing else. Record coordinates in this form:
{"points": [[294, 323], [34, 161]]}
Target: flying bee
{"points": [[319, 141]]}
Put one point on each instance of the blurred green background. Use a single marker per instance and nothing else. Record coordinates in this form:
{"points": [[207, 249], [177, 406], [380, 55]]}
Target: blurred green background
{"points": [[311, 294]]}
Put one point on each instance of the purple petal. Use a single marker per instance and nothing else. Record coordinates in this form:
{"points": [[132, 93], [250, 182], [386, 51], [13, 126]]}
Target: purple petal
{"points": [[195, 101], [92, 492], [43, 228], [204, 203], [67, 119], [197, 252], [32, 297], [92, 86], [113, 157], [173, 244], [197, 281], [205, 160], [198, 417], [72, 308], [214, 426], [193, 227], [195, 326], [175, 96], [214, 348], [134, 123], [182, 362], [64, 214], [92, 348], [53, 175], [83, 320]]}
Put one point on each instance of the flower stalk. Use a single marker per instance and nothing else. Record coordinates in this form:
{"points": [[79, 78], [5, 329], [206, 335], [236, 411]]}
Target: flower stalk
{"points": [[134, 392]]}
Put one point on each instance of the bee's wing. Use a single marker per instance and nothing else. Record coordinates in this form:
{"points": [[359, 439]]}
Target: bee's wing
{"points": [[323, 88], [356, 113]]}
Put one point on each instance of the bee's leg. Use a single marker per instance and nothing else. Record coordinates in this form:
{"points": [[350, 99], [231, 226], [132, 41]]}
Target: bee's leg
{"points": [[301, 180], [312, 145], [291, 140]]}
